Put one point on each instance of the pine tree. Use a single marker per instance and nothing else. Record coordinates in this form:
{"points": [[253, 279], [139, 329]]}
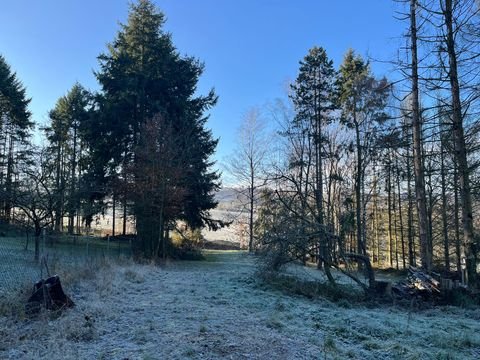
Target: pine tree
{"points": [[314, 93], [362, 99]]}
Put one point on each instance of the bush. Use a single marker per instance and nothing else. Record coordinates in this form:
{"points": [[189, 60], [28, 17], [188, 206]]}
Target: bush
{"points": [[462, 298], [187, 245]]}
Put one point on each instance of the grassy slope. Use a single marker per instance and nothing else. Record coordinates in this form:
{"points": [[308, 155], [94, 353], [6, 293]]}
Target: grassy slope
{"points": [[214, 310]]}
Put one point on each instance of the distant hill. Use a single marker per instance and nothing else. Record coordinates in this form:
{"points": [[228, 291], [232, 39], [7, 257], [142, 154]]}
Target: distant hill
{"points": [[230, 209]]}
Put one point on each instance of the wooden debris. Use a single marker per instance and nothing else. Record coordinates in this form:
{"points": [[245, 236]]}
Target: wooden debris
{"points": [[417, 283]]}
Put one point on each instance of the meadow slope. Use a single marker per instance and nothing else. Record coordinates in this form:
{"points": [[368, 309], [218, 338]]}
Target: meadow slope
{"points": [[215, 310]]}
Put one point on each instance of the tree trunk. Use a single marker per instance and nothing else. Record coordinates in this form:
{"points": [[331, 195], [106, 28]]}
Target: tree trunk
{"points": [[9, 182], [251, 194], [376, 244], [402, 238], [358, 192], [430, 207], [114, 205], [426, 256], [411, 244], [446, 249], [460, 148], [389, 211], [395, 227], [72, 200], [38, 233], [58, 211], [125, 186], [319, 191], [458, 245]]}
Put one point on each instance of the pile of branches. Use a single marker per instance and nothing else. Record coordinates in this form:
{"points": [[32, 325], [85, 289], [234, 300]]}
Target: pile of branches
{"points": [[418, 284]]}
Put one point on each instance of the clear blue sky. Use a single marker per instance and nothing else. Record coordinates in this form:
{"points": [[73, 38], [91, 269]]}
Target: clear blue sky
{"points": [[250, 47]]}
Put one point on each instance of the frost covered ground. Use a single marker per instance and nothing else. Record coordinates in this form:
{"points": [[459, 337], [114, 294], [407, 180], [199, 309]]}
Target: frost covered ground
{"points": [[215, 310]]}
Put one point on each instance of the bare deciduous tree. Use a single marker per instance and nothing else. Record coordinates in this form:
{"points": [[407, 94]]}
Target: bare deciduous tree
{"points": [[247, 164]]}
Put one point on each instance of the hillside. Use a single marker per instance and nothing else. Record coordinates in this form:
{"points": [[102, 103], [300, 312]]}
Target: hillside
{"points": [[229, 209]]}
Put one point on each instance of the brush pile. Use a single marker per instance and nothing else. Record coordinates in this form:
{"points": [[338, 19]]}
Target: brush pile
{"points": [[418, 284]]}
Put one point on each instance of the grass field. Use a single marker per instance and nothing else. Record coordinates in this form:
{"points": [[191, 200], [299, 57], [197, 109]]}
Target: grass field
{"points": [[215, 309], [17, 265]]}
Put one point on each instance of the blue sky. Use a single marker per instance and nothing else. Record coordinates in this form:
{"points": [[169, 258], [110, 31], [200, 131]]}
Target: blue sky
{"points": [[251, 48]]}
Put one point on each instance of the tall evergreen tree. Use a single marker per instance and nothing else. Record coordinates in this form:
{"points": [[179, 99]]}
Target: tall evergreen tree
{"points": [[15, 126], [143, 77], [363, 99], [68, 119], [313, 96]]}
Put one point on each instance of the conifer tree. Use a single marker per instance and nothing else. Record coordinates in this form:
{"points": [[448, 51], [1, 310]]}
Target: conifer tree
{"points": [[362, 99], [314, 91], [68, 119], [15, 126], [143, 77]]}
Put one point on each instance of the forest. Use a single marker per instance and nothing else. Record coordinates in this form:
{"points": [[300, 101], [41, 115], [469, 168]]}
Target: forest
{"points": [[359, 195], [140, 144], [373, 170]]}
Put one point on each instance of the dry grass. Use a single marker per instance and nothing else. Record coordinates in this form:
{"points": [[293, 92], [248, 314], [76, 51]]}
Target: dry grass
{"points": [[215, 310]]}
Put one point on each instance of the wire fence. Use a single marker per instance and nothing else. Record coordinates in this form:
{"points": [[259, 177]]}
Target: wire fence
{"points": [[19, 267]]}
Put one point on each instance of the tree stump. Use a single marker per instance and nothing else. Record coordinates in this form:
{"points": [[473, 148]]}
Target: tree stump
{"points": [[48, 293]]}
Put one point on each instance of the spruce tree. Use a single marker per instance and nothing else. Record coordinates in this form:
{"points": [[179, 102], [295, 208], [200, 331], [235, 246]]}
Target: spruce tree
{"points": [[143, 77]]}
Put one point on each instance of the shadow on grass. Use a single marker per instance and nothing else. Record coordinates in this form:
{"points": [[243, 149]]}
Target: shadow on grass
{"points": [[341, 294]]}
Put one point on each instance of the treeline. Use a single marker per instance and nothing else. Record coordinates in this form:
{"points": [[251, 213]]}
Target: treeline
{"points": [[139, 145], [376, 170]]}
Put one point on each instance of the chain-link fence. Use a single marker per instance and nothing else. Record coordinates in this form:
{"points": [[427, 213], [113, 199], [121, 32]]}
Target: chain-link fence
{"points": [[19, 267]]}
